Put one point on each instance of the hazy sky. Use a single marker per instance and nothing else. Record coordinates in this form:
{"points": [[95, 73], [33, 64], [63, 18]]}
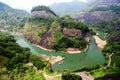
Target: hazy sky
{"points": [[28, 4]]}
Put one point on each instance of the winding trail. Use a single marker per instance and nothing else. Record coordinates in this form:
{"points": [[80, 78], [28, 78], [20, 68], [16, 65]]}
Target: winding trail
{"points": [[107, 64], [56, 77], [85, 75], [109, 60]]}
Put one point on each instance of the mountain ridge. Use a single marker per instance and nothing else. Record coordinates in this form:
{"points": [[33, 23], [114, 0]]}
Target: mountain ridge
{"points": [[64, 8], [103, 15], [12, 17]]}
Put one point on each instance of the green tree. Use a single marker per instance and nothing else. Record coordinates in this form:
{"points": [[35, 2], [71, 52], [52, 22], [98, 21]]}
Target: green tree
{"points": [[68, 76]]}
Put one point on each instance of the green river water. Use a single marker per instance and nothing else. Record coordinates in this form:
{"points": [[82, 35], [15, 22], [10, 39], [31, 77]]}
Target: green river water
{"points": [[91, 57]]}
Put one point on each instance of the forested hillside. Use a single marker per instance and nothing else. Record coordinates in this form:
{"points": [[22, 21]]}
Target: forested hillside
{"points": [[15, 60], [11, 18], [103, 14], [49, 30], [45, 29]]}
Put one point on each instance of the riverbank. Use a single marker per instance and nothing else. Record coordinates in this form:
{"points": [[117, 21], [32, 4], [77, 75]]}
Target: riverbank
{"points": [[43, 47], [100, 43], [52, 59], [73, 51], [69, 50], [77, 59], [76, 50]]}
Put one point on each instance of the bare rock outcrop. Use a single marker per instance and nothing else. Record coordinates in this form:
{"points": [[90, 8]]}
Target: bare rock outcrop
{"points": [[46, 40], [101, 14], [42, 13], [72, 32]]}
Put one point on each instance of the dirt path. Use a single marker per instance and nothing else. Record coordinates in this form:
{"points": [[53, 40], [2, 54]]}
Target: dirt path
{"points": [[56, 77], [109, 60], [85, 75]]}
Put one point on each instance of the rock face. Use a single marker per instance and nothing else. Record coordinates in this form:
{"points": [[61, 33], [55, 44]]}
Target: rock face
{"points": [[33, 32], [100, 14], [45, 29], [72, 32], [96, 16], [102, 3], [42, 13], [37, 29], [46, 42], [87, 37], [115, 37]]}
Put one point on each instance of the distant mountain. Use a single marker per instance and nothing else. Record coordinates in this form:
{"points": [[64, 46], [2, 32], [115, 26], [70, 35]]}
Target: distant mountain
{"points": [[103, 12], [12, 17], [68, 7], [98, 7], [103, 3]]}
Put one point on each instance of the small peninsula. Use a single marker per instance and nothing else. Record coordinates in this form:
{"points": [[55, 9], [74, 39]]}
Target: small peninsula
{"points": [[52, 33]]}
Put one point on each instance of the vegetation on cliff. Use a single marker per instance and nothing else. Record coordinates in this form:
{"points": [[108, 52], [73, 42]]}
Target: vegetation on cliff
{"points": [[113, 43], [111, 52], [11, 18], [107, 25], [49, 32], [103, 15], [42, 8], [68, 42]]}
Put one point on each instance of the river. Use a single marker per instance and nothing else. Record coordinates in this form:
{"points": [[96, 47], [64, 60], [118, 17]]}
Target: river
{"points": [[91, 57]]}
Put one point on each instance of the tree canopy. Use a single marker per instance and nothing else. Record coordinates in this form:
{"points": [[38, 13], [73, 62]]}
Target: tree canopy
{"points": [[14, 59], [41, 8]]}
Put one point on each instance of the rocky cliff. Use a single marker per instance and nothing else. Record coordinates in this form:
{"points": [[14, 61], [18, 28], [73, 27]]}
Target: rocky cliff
{"points": [[102, 3], [42, 11], [37, 29], [102, 10], [46, 29], [72, 32]]}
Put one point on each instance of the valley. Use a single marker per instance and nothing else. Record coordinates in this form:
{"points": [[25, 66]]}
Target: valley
{"points": [[79, 60], [58, 42]]}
